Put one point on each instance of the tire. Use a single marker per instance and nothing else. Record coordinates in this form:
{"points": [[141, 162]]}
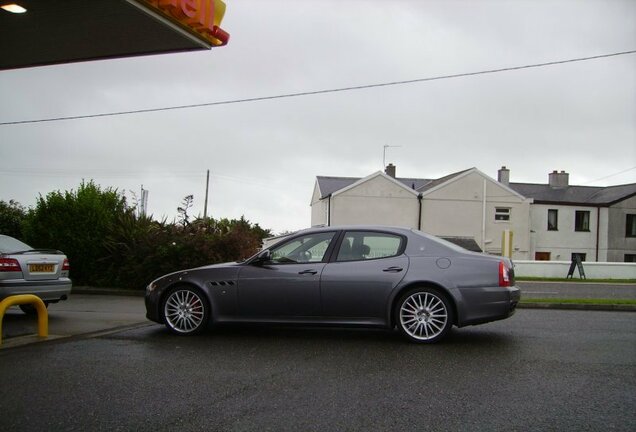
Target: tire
{"points": [[424, 315], [186, 310], [29, 309]]}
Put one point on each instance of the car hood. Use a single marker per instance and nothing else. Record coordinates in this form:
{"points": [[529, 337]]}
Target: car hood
{"points": [[194, 271]]}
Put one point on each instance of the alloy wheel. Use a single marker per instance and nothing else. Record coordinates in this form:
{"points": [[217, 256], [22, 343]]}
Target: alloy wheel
{"points": [[185, 311], [424, 316]]}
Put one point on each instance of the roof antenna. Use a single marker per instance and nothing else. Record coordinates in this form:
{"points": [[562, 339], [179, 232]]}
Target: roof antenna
{"points": [[386, 146]]}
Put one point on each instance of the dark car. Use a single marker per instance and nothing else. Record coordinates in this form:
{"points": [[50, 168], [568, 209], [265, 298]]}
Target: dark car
{"points": [[25, 270], [350, 275]]}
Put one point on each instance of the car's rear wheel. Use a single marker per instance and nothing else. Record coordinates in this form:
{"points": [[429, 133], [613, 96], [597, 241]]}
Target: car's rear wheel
{"points": [[29, 309], [424, 315], [186, 310]]}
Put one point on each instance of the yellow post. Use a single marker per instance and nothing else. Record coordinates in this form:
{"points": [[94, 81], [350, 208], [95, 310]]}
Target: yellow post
{"points": [[506, 243], [43, 315]]}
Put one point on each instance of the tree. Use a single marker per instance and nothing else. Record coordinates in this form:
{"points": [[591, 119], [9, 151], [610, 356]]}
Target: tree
{"points": [[108, 244], [12, 215], [76, 222], [183, 211]]}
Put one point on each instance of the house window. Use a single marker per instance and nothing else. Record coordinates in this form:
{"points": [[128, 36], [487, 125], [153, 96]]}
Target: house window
{"points": [[502, 214], [630, 258], [542, 256], [553, 220], [630, 229], [582, 220]]}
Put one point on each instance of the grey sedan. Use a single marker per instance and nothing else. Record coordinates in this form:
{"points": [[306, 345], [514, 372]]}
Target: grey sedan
{"points": [[25, 270], [349, 275]]}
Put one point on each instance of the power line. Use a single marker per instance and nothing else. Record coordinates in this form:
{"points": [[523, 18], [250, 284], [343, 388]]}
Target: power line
{"points": [[118, 173], [316, 92], [611, 175]]}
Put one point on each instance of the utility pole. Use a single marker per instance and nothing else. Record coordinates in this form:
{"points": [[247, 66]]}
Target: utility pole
{"points": [[386, 146], [207, 188]]}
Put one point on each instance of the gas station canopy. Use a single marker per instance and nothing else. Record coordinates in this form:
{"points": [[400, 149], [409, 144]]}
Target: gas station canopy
{"points": [[45, 32]]}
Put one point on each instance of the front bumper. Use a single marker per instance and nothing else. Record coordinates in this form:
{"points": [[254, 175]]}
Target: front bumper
{"points": [[151, 301]]}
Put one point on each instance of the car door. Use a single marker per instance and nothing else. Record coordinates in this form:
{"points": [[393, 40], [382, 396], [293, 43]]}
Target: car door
{"points": [[367, 267], [289, 284]]}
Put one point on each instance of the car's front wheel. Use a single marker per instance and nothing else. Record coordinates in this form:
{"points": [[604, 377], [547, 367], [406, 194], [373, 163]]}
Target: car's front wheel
{"points": [[424, 315], [186, 310]]}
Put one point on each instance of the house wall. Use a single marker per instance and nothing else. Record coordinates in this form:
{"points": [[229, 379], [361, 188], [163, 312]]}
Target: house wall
{"points": [[377, 200], [618, 243], [457, 209], [561, 244], [319, 208], [559, 269]]}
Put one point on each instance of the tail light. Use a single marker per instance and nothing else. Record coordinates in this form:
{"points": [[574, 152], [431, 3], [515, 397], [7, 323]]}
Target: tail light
{"points": [[9, 265], [504, 275], [66, 266]]}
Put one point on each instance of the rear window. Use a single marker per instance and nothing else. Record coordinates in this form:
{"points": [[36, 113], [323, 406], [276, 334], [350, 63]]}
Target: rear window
{"points": [[11, 245], [366, 245]]}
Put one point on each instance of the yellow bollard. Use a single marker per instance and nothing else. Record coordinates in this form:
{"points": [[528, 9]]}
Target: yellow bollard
{"points": [[43, 315]]}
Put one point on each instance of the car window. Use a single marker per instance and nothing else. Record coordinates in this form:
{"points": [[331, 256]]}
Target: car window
{"points": [[361, 245], [308, 248], [11, 245]]}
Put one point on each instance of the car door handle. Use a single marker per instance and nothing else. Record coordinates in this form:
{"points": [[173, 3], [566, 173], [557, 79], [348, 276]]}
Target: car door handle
{"points": [[313, 272], [393, 269]]}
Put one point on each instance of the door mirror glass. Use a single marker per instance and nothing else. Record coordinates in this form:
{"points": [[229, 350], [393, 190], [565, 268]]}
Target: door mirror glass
{"points": [[263, 257]]}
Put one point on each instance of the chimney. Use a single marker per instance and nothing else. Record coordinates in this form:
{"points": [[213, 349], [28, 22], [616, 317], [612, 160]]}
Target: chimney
{"points": [[390, 170], [558, 179], [503, 176]]}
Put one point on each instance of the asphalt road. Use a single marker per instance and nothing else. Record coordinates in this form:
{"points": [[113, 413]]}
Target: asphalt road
{"points": [[539, 370]]}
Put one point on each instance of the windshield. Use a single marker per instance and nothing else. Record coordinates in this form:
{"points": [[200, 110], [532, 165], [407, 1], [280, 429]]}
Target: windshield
{"points": [[10, 245]]}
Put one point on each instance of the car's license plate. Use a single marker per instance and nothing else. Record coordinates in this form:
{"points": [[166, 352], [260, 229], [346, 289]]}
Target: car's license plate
{"points": [[41, 268]]}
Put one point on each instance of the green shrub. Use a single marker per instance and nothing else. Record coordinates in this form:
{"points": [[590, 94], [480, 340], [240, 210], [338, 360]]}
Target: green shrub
{"points": [[108, 245], [12, 215], [140, 249], [76, 222]]}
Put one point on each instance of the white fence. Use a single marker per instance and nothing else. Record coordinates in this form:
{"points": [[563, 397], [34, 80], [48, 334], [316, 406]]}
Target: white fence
{"points": [[559, 269]]}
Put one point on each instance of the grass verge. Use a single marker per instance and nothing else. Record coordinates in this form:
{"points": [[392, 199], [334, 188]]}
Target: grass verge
{"points": [[580, 301], [541, 279]]}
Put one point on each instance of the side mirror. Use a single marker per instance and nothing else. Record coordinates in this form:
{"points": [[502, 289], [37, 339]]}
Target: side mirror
{"points": [[263, 257]]}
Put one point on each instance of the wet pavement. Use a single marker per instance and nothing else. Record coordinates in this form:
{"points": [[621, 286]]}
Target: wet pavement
{"points": [[79, 315]]}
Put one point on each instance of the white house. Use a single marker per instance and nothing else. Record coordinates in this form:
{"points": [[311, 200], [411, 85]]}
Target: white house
{"points": [[466, 204], [597, 223], [551, 221]]}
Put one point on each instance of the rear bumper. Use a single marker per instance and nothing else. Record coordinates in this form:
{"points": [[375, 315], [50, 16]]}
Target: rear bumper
{"points": [[482, 305], [50, 291]]}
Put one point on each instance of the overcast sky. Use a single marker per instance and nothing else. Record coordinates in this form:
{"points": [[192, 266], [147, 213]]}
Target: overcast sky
{"points": [[264, 156]]}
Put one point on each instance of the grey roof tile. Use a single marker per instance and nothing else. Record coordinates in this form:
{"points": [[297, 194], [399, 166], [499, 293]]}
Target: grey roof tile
{"points": [[329, 185], [592, 195], [431, 184]]}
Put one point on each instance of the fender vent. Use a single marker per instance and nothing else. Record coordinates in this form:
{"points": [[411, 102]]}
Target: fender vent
{"points": [[221, 283]]}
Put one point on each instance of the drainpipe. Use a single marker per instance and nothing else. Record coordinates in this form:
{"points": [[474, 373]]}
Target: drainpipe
{"points": [[598, 228], [419, 216], [329, 210], [483, 220]]}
